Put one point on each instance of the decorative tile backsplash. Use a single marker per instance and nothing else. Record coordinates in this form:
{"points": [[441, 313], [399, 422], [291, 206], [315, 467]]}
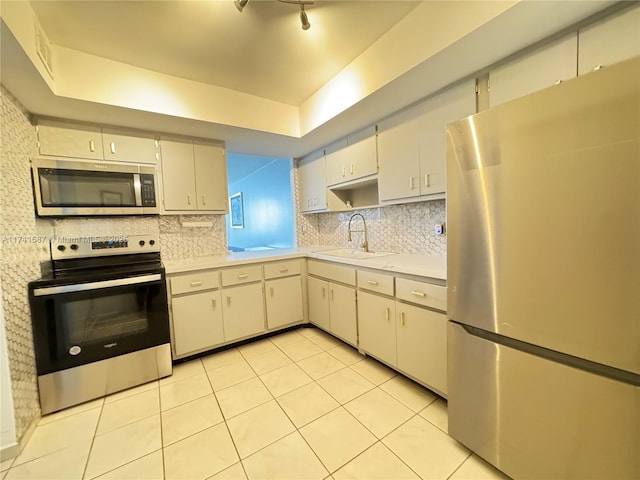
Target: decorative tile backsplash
{"points": [[20, 253]]}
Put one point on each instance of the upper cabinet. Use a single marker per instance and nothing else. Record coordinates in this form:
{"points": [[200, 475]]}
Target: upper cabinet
{"points": [[194, 177], [412, 145], [610, 41], [353, 162], [313, 189], [92, 142], [540, 69]]}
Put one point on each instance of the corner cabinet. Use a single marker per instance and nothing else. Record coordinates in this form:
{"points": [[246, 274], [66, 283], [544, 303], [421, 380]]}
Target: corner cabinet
{"points": [[313, 188], [412, 145], [194, 177]]}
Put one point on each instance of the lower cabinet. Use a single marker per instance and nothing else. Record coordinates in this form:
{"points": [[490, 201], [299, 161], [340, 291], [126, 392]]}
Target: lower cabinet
{"points": [[197, 322], [318, 291], [284, 301], [332, 306], [242, 311], [421, 337], [377, 326], [408, 337]]}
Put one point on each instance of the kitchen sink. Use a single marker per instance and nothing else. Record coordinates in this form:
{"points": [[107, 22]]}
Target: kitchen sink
{"points": [[350, 253]]}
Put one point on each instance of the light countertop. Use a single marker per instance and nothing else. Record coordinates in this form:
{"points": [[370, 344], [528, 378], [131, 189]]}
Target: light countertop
{"points": [[430, 266]]}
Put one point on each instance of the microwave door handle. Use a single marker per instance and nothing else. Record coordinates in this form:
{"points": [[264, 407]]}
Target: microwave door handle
{"points": [[83, 287], [137, 189]]}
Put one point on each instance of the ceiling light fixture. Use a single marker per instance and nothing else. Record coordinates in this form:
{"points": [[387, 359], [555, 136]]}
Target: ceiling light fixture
{"points": [[304, 19], [240, 4]]}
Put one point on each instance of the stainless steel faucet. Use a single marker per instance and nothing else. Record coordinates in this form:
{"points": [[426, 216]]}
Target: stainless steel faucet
{"points": [[365, 243]]}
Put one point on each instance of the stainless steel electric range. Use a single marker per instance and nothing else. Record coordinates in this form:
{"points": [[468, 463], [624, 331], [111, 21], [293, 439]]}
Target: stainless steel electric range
{"points": [[100, 319]]}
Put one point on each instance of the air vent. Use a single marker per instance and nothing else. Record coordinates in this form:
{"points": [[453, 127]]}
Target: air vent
{"points": [[44, 49]]}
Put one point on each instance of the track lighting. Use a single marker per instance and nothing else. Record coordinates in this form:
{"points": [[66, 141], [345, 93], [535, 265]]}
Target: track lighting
{"points": [[304, 19], [240, 4]]}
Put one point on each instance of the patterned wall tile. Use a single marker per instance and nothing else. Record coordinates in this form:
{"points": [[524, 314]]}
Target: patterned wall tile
{"points": [[20, 251]]}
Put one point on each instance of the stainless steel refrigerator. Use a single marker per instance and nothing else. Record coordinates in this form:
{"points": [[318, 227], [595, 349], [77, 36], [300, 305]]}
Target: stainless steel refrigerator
{"points": [[543, 214]]}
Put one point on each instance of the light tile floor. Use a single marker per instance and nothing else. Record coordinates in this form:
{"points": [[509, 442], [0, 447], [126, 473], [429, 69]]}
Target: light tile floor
{"points": [[299, 405]]}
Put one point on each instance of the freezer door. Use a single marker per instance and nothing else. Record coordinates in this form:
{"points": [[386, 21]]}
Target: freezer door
{"points": [[534, 418], [543, 213]]}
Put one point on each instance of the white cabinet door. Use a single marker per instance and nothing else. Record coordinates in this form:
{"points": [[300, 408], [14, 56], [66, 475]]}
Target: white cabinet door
{"points": [[610, 41], [68, 140], [178, 175], [399, 157], [210, 177], [377, 326], [313, 190], [318, 294], [242, 311], [352, 162], [452, 105], [284, 301], [197, 322], [540, 69], [422, 345], [129, 148], [342, 312]]}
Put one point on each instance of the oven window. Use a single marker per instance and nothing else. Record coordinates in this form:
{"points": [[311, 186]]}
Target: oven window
{"points": [[66, 188], [102, 318]]}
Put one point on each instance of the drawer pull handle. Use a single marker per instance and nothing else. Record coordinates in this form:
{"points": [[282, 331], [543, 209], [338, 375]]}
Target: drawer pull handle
{"points": [[402, 318], [372, 282], [203, 201], [418, 293], [324, 292], [213, 301], [113, 147], [427, 180], [242, 276], [271, 291], [196, 284], [332, 294], [92, 146], [228, 300], [284, 270], [410, 183], [386, 314], [188, 199]]}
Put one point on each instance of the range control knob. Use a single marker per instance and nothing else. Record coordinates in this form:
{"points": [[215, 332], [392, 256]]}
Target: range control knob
{"points": [[62, 248], [152, 242], [141, 242], [73, 246]]}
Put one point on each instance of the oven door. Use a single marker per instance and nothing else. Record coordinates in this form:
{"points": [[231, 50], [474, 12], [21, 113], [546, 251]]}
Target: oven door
{"points": [[79, 323]]}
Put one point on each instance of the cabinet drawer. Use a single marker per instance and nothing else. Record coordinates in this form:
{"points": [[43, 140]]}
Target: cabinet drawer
{"points": [[376, 282], [332, 271], [194, 282], [282, 269], [238, 275], [434, 296]]}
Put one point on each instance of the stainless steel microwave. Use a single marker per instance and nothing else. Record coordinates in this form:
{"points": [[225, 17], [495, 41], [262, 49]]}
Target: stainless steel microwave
{"points": [[85, 188]]}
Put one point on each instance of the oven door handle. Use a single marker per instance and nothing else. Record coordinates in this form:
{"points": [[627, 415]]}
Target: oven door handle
{"points": [[82, 287]]}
